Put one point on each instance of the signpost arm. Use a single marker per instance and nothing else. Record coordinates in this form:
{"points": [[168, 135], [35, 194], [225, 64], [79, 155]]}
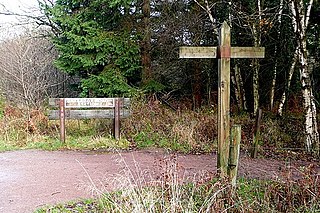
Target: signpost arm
{"points": [[224, 54]]}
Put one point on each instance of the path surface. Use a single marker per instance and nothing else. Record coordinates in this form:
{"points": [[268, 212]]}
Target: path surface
{"points": [[31, 179]]}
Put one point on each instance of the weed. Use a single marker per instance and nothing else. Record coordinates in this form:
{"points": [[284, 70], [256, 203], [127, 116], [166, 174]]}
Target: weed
{"points": [[296, 195]]}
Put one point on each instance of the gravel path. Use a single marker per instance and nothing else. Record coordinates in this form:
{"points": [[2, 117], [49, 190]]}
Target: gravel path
{"points": [[30, 179]]}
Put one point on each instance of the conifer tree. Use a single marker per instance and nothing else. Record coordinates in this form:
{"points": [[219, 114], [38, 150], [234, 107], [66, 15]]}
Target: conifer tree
{"points": [[96, 44]]}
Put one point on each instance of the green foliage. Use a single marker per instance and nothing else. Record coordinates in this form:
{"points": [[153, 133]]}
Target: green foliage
{"points": [[109, 83], [94, 45], [153, 87]]}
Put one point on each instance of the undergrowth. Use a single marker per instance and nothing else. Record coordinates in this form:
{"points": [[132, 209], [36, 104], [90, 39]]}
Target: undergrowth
{"points": [[154, 125], [22, 129], [151, 124]]}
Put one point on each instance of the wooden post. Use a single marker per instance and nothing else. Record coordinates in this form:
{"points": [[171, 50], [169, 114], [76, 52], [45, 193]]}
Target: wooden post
{"points": [[224, 51], [235, 137], [256, 134], [117, 104], [62, 120]]}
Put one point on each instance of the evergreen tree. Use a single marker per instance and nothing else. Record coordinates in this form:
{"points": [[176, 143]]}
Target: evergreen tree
{"points": [[97, 43]]}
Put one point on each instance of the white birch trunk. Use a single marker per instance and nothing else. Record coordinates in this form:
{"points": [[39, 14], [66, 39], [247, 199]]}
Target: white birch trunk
{"points": [[256, 67], [237, 80], [274, 79], [284, 94], [257, 43], [300, 19]]}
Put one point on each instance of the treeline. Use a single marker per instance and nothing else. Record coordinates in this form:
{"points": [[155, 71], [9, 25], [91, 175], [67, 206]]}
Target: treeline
{"points": [[123, 47], [116, 47]]}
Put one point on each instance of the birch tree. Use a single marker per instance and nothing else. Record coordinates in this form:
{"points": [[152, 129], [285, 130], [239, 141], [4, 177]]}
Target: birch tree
{"points": [[285, 92], [273, 85], [256, 33], [300, 20]]}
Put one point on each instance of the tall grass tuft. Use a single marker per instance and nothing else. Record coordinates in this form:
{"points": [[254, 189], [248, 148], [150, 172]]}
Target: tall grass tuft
{"points": [[295, 194], [165, 188]]}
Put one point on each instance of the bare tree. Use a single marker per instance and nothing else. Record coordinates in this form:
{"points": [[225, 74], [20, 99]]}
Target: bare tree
{"points": [[30, 17], [27, 72]]}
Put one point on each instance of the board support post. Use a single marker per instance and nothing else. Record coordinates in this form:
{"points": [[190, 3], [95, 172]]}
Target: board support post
{"points": [[117, 118], [62, 117]]}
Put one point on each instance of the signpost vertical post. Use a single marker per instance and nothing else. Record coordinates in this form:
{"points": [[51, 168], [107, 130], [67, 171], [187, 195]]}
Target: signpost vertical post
{"points": [[224, 52], [62, 120]]}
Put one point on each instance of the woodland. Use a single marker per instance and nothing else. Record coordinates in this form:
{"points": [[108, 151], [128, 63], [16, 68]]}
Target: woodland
{"points": [[125, 48], [130, 49]]}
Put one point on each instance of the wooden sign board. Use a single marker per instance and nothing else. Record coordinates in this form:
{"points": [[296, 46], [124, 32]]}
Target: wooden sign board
{"points": [[87, 114], [118, 109], [198, 52], [89, 102]]}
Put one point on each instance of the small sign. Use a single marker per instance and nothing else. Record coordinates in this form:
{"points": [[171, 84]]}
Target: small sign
{"points": [[89, 102]]}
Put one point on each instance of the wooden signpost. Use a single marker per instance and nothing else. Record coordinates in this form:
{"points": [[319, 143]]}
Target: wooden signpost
{"points": [[224, 52], [114, 108]]}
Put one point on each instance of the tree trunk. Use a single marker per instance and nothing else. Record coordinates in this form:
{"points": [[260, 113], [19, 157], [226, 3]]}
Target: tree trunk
{"points": [[196, 86], [311, 132], [239, 90], [257, 43], [284, 94], [274, 79], [146, 43]]}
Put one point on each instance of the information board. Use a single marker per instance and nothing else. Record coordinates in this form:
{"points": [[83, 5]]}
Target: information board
{"points": [[89, 102]]}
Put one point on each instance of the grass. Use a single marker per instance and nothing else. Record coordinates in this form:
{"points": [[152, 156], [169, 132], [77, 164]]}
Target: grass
{"points": [[150, 125], [166, 189], [154, 127], [143, 191], [81, 135], [23, 129]]}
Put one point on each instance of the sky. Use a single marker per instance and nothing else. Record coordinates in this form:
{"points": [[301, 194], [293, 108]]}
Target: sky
{"points": [[8, 24]]}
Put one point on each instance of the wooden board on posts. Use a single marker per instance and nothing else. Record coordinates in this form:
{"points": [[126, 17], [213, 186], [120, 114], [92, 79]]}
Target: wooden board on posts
{"points": [[88, 108]]}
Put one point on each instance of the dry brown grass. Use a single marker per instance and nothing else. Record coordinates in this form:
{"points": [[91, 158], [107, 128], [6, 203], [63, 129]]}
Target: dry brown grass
{"points": [[195, 131]]}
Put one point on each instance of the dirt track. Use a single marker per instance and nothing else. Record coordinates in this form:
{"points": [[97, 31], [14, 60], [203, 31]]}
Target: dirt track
{"points": [[30, 179]]}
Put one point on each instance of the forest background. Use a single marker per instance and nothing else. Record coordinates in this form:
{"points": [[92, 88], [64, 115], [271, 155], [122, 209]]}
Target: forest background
{"points": [[125, 48]]}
